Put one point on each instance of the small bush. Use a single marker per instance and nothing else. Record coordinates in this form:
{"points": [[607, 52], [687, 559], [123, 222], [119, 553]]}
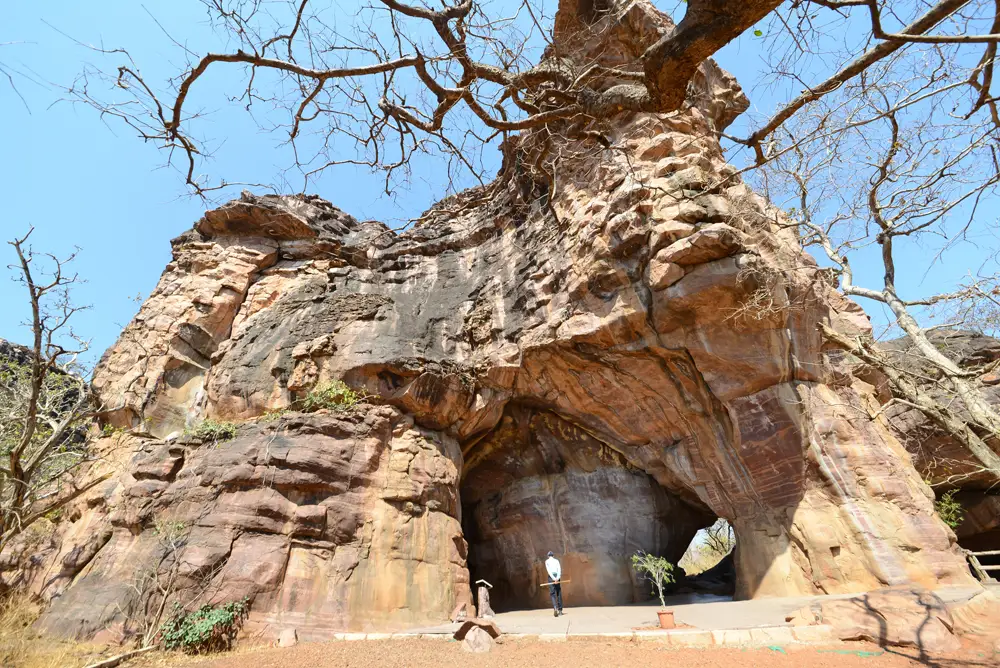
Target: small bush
{"points": [[207, 629], [949, 510], [213, 431], [656, 569], [334, 395], [272, 416], [170, 533], [110, 431]]}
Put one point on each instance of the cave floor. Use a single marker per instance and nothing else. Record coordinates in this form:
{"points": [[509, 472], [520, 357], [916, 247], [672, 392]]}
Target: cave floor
{"points": [[698, 610]]}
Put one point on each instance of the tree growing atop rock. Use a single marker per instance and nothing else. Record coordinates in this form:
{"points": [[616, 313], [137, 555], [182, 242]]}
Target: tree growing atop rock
{"points": [[890, 141]]}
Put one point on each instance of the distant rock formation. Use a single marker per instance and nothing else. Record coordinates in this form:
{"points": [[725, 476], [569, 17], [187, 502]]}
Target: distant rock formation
{"points": [[593, 370], [13, 352]]}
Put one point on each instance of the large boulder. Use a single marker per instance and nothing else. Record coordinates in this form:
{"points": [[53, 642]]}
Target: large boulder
{"points": [[345, 520], [520, 360], [898, 616]]}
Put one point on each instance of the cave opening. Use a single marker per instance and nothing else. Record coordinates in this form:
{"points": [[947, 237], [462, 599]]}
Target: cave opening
{"points": [[538, 482], [977, 527], [708, 565]]}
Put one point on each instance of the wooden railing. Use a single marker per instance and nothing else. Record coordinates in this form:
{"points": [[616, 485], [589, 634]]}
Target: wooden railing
{"points": [[982, 572]]}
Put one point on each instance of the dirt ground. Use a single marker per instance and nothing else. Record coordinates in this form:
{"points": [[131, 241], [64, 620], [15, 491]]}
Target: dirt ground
{"points": [[573, 654]]}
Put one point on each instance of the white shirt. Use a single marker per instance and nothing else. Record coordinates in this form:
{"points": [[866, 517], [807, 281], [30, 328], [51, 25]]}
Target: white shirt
{"points": [[554, 568]]}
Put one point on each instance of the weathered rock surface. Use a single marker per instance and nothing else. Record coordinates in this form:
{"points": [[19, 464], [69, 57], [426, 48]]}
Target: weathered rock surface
{"points": [[979, 618], [582, 371], [940, 458], [477, 641], [898, 616], [317, 518], [288, 638], [538, 482], [478, 635], [14, 353], [937, 454]]}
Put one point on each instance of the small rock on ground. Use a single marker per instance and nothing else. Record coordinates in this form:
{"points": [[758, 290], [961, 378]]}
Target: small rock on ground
{"points": [[477, 640], [288, 638]]}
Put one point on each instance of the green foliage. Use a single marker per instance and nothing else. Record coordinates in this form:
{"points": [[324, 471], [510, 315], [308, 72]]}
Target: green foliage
{"points": [[271, 416], [207, 629], [109, 431], [334, 395], [170, 533], [58, 393], [656, 569], [62, 399], [949, 510], [213, 431]]}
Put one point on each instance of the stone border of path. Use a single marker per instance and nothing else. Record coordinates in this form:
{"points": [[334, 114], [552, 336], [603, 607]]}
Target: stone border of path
{"points": [[763, 636]]}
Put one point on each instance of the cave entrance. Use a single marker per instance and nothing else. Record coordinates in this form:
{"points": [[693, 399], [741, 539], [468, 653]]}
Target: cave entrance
{"points": [[708, 564], [538, 483]]}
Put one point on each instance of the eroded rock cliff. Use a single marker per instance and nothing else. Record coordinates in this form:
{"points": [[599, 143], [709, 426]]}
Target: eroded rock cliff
{"points": [[939, 457], [594, 364]]}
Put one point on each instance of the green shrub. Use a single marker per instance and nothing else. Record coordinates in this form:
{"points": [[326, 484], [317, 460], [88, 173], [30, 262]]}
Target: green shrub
{"points": [[271, 416], [949, 510], [207, 629], [170, 533], [656, 569], [109, 431], [213, 431], [335, 395]]}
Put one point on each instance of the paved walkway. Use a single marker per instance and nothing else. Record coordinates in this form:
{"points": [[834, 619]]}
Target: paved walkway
{"points": [[709, 613]]}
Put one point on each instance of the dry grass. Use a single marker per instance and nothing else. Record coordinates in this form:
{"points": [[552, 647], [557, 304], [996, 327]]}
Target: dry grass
{"points": [[23, 647]]}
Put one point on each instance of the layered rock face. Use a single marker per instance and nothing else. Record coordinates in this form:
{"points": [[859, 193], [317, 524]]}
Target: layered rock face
{"points": [[594, 365], [346, 521], [939, 458]]}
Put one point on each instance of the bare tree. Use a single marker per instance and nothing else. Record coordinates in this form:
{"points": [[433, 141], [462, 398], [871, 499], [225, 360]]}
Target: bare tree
{"points": [[720, 539], [45, 402], [407, 78], [890, 141], [154, 585], [883, 164], [12, 74], [709, 547]]}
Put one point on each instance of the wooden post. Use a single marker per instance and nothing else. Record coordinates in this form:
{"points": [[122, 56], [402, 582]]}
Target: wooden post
{"points": [[483, 608]]}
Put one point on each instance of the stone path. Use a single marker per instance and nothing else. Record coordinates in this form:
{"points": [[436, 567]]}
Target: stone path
{"points": [[703, 613], [708, 621]]}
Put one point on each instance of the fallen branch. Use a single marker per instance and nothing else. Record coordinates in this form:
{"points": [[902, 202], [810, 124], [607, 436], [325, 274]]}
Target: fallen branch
{"points": [[117, 660]]}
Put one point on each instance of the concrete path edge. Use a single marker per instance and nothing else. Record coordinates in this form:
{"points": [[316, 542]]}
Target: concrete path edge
{"points": [[762, 636]]}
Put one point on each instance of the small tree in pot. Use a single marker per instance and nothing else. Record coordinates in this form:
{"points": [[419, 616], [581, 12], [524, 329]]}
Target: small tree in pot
{"points": [[660, 573]]}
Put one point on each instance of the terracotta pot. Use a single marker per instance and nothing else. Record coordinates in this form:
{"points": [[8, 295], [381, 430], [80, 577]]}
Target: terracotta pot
{"points": [[666, 619]]}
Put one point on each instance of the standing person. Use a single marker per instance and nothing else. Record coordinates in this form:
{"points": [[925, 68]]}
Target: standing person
{"points": [[554, 569]]}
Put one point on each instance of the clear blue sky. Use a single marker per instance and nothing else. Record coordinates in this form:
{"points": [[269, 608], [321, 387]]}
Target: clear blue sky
{"points": [[83, 183]]}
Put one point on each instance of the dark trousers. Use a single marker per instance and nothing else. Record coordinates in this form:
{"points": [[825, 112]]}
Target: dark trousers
{"points": [[555, 593]]}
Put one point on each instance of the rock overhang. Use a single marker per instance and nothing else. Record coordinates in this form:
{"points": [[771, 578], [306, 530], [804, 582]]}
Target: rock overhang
{"points": [[613, 306]]}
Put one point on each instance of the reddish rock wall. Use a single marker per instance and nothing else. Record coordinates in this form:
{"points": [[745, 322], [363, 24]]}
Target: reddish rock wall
{"points": [[649, 306], [347, 521]]}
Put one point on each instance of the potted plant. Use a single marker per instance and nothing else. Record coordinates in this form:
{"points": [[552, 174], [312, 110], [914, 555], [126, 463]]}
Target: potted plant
{"points": [[659, 571]]}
